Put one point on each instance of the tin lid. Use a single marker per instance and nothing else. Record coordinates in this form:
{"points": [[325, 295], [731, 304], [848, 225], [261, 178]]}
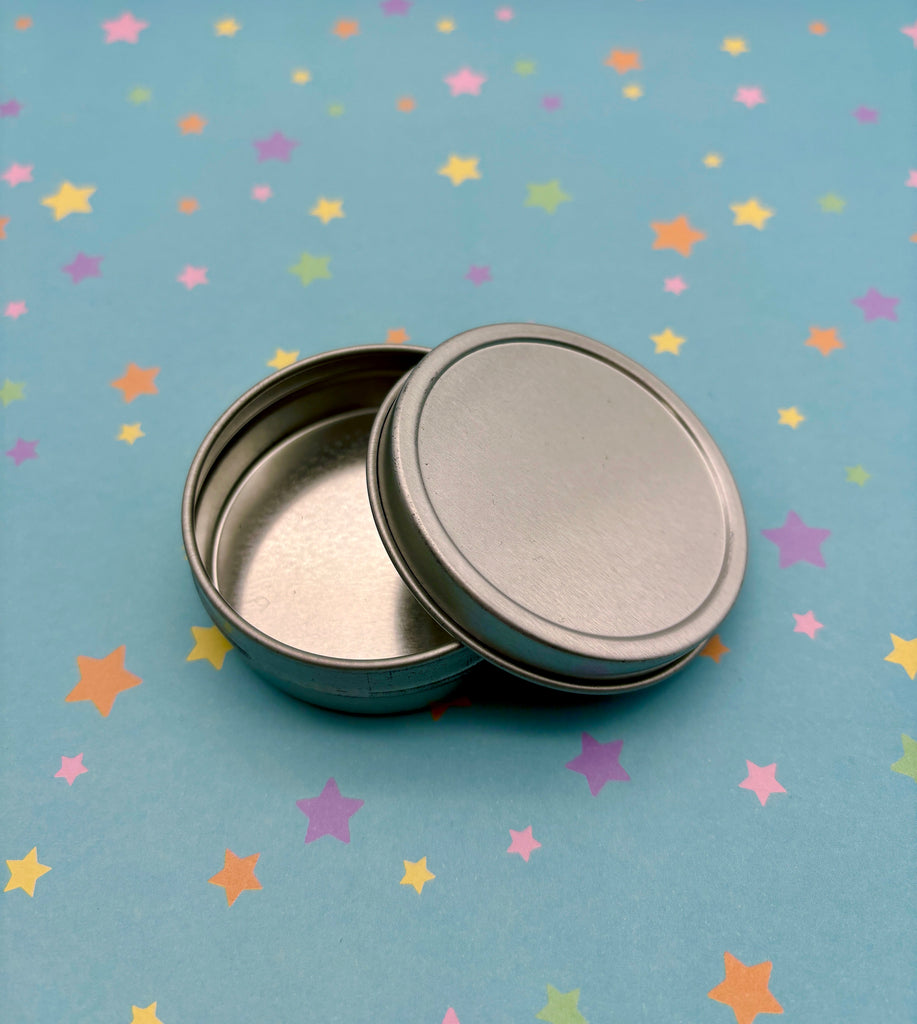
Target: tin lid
{"points": [[555, 507]]}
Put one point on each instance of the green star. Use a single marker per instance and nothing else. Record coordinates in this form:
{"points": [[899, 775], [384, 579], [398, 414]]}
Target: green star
{"points": [[310, 267], [907, 765], [336, 109], [548, 196], [561, 1008], [524, 67], [831, 203], [140, 94], [11, 391], [856, 475]]}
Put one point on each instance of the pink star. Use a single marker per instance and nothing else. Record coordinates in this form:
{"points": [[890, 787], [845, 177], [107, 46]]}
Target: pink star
{"points": [[70, 767], [261, 192], [15, 310], [523, 843], [16, 174], [465, 81], [22, 451], [911, 179], [807, 624], [750, 95], [451, 1017], [552, 102], [504, 14], [675, 285], [911, 30], [125, 29], [191, 277], [478, 275], [763, 781]]}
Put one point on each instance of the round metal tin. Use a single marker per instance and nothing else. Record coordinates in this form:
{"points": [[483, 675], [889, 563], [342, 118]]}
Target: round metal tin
{"points": [[555, 507], [283, 549]]}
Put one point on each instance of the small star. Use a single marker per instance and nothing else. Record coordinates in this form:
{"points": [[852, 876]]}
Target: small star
{"points": [[327, 209], [191, 277], [329, 813], [465, 82], [14, 310], [125, 29], [599, 762], [275, 147], [236, 876], [504, 14], [344, 28], [523, 843], [192, 124], [826, 341], [818, 28], [261, 192], [911, 30], [136, 382], [16, 174], [335, 109], [10, 108], [807, 624], [734, 46], [71, 768], [300, 76], [226, 27], [907, 764], [405, 104], [310, 268], [790, 417], [130, 432], [12, 391], [798, 542], [209, 645], [752, 213], [22, 451], [675, 285], [623, 61], [904, 653], [478, 275], [3, 223], [22, 23], [140, 94], [551, 102], [877, 306], [667, 341], [102, 679], [416, 874], [548, 196], [762, 781], [69, 199], [458, 169], [866, 115], [714, 649], [283, 358], [188, 205], [561, 1008], [750, 95], [910, 183], [26, 872], [677, 234], [632, 91], [397, 336], [439, 708], [83, 266], [392, 7], [445, 25], [713, 160], [856, 475], [524, 67], [144, 1015], [746, 990]]}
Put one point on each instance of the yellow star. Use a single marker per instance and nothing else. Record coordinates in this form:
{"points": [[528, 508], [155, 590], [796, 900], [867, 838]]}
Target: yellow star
{"points": [[445, 25], [416, 874], [668, 341], [282, 359], [751, 212], [301, 75], [130, 432], [856, 475], [791, 417], [713, 160], [209, 643], [904, 654], [145, 1015], [24, 873], [227, 27], [734, 46], [632, 91], [69, 199], [327, 209], [458, 169]]}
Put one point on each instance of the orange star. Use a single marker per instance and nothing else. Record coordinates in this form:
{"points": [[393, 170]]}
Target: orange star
{"points": [[825, 341], [23, 23], [818, 28], [396, 335], [3, 223], [714, 649], [624, 60], [188, 205], [346, 27], [238, 874], [193, 124], [438, 709], [677, 234], [137, 382], [405, 104], [745, 989], [914, 237], [102, 679]]}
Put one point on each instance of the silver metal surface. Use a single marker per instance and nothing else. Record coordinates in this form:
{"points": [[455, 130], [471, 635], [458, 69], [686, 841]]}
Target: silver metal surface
{"points": [[284, 551], [557, 508]]}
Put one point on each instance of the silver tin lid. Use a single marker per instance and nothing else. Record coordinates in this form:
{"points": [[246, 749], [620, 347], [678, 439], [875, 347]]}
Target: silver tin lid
{"points": [[555, 507]]}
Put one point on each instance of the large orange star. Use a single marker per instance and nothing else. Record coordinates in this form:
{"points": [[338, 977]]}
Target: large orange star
{"points": [[193, 124], [745, 989], [346, 27], [677, 234], [623, 60], [238, 874], [136, 381], [714, 649], [102, 679], [825, 341]]}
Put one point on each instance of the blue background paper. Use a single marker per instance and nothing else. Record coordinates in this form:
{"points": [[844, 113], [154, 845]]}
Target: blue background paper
{"points": [[636, 893]]}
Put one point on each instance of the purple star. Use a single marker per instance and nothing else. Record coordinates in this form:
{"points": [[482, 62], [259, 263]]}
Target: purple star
{"points": [[877, 306], [10, 109], [329, 813], [551, 102], [866, 115], [277, 147], [22, 450], [798, 542], [390, 7], [478, 275], [599, 763], [83, 266]]}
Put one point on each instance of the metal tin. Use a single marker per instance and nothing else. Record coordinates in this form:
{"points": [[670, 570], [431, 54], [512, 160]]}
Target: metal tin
{"points": [[555, 507], [283, 549]]}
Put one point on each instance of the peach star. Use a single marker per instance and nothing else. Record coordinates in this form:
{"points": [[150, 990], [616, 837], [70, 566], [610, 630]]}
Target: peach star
{"points": [[397, 335], [188, 205], [136, 381], [623, 61], [818, 28], [193, 124], [344, 28], [714, 649], [677, 234], [102, 679], [745, 989], [826, 341], [237, 875], [405, 104]]}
